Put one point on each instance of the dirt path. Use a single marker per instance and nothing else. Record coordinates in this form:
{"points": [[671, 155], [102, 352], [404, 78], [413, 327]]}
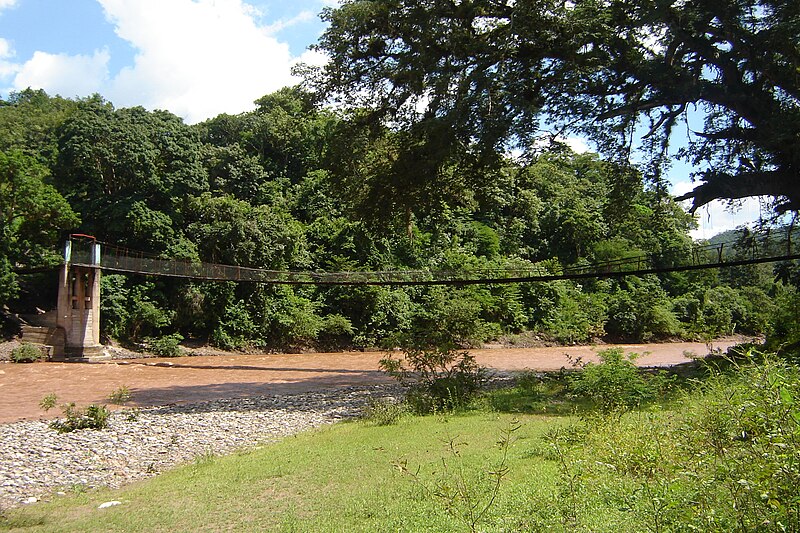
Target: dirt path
{"points": [[193, 379]]}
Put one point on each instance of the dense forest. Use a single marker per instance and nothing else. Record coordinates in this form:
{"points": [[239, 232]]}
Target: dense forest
{"points": [[294, 185]]}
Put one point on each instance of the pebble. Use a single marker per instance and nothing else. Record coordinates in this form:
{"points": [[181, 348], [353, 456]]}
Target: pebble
{"points": [[37, 462], [106, 505]]}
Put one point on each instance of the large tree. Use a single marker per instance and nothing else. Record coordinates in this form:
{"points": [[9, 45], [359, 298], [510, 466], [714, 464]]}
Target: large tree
{"points": [[727, 72], [32, 216]]}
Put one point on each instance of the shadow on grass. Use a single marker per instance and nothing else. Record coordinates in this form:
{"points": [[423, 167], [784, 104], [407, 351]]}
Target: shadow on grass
{"points": [[550, 393], [20, 522]]}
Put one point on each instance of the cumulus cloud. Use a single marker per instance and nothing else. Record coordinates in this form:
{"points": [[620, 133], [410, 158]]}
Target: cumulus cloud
{"points": [[577, 144], [196, 58], [7, 66], [6, 4], [67, 75]]}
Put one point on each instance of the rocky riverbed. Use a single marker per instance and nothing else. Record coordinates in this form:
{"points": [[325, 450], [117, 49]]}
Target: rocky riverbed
{"points": [[38, 463]]}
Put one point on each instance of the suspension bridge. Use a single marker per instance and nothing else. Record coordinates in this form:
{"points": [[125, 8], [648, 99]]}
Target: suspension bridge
{"points": [[73, 329], [766, 247]]}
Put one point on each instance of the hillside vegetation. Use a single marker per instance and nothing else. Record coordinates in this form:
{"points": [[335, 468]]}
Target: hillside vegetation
{"points": [[295, 186]]}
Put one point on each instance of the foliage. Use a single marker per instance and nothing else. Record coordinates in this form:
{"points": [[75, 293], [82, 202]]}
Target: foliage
{"points": [[146, 316], [383, 411], [32, 214], [784, 328], [294, 185], [486, 73], [26, 353], [49, 401], [439, 378], [615, 383], [726, 458], [75, 418], [640, 309], [235, 328], [114, 305], [167, 346], [120, 395]]}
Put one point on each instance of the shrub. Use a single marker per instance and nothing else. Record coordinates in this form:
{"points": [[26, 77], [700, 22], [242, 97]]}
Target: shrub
{"points": [[75, 418], [725, 460], [167, 346], [438, 378], [613, 384], [383, 411], [26, 353], [120, 395], [743, 439]]}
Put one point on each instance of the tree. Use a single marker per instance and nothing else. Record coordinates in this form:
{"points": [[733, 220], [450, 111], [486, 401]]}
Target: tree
{"points": [[491, 69], [231, 231], [32, 215], [29, 121], [127, 169]]}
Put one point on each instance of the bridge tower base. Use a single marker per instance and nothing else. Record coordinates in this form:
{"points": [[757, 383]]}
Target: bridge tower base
{"points": [[79, 311]]}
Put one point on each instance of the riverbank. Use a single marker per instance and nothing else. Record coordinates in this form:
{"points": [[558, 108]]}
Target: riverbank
{"points": [[39, 463]]}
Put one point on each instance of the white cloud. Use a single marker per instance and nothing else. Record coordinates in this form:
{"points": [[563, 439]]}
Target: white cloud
{"points": [[313, 58], [303, 16], [196, 58], [7, 4], [7, 67], [67, 75], [577, 144]]}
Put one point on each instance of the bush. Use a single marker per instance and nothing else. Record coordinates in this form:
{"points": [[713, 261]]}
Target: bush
{"points": [[727, 459], [167, 346], [440, 378], [89, 417], [27, 353], [120, 395], [383, 411], [614, 384], [75, 418]]}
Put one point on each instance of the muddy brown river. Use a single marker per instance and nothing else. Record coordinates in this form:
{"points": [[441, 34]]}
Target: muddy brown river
{"points": [[198, 378]]}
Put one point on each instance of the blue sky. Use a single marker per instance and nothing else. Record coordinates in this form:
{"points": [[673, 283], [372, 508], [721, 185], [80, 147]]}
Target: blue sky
{"points": [[195, 58]]}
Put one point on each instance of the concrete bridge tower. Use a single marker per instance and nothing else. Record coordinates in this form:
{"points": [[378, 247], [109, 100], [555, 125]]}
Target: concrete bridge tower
{"points": [[79, 302]]}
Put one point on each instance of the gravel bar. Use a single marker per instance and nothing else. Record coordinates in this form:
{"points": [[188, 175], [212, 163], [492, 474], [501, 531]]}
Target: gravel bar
{"points": [[37, 462]]}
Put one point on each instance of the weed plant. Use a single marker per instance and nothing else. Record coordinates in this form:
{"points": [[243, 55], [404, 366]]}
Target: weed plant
{"points": [[26, 353], [726, 459], [616, 384], [383, 411], [120, 395], [466, 495], [75, 418]]}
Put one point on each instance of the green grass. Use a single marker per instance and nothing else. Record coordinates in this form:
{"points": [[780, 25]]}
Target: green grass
{"points": [[340, 479], [723, 456]]}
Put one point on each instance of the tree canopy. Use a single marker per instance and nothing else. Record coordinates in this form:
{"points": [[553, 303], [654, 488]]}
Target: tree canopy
{"points": [[724, 72], [294, 185]]}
